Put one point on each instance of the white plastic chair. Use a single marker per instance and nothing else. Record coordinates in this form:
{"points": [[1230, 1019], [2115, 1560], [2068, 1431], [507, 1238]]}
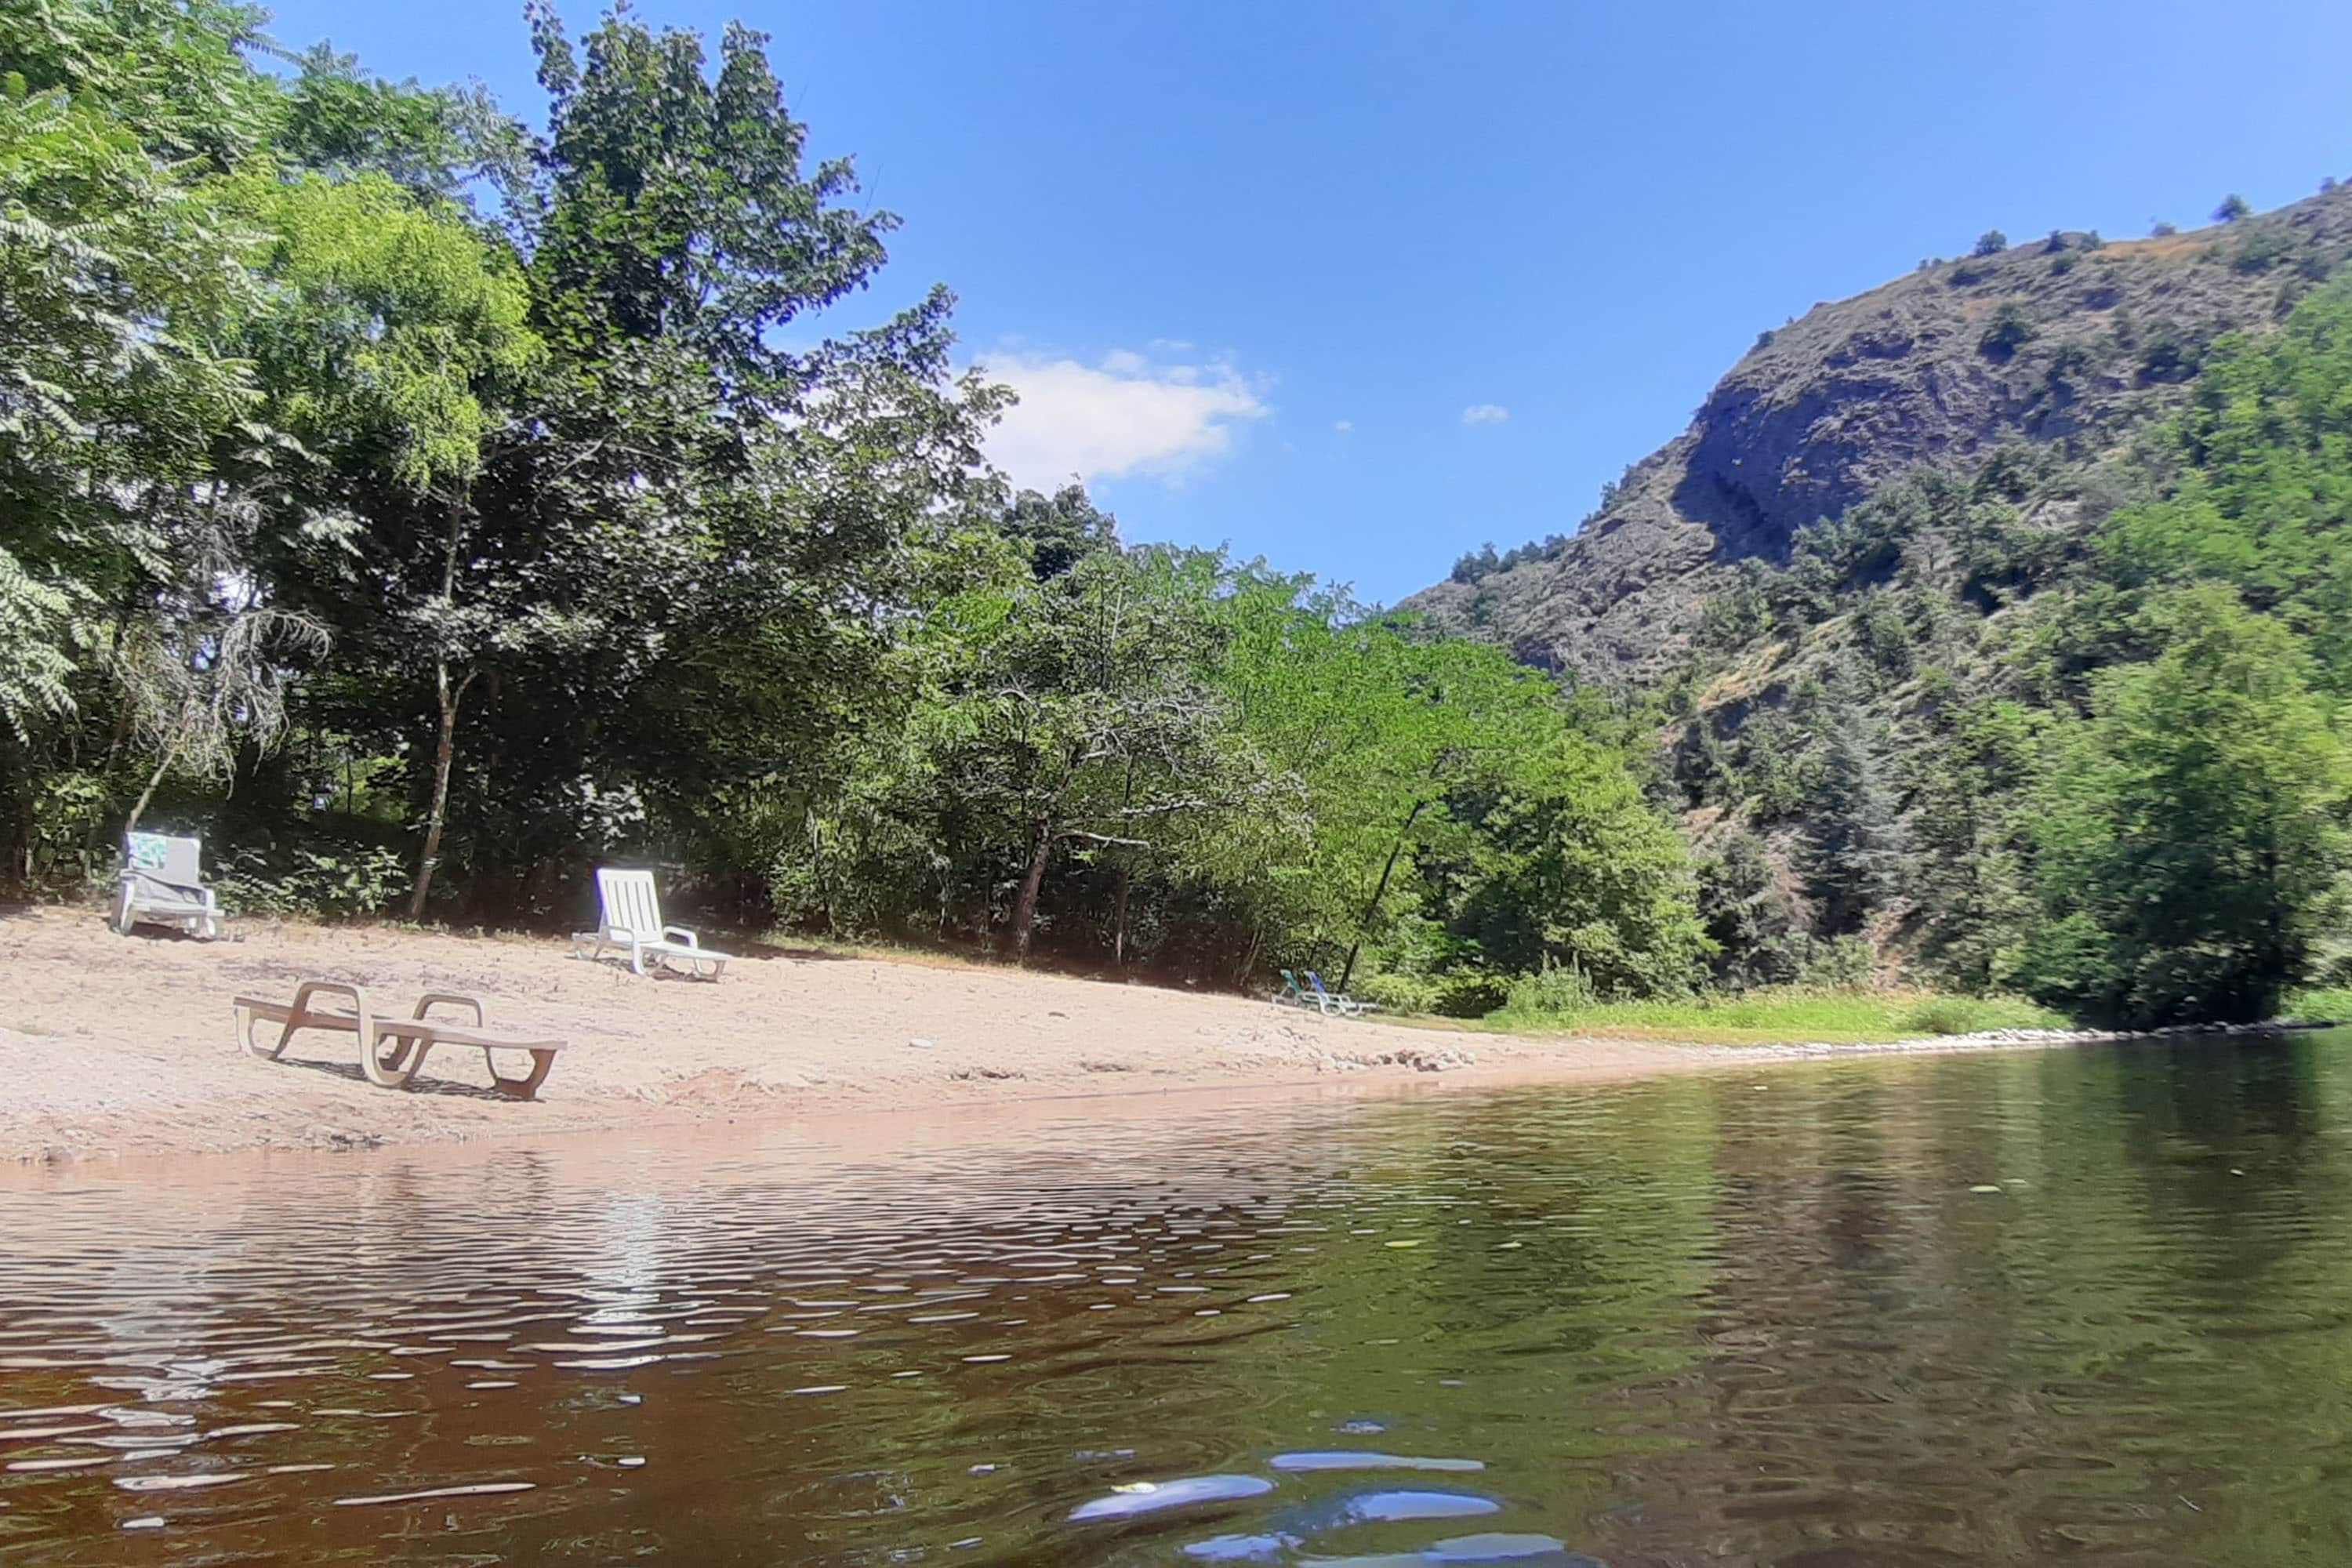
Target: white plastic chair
{"points": [[163, 882], [630, 917]]}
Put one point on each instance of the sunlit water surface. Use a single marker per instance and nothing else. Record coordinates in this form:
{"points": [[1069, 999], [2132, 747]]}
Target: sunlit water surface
{"points": [[2086, 1306]]}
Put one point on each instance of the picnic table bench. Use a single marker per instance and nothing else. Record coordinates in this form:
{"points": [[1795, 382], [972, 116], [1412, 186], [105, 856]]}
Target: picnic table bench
{"points": [[392, 1050]]}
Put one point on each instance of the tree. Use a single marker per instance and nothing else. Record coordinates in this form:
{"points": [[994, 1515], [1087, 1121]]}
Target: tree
{"points": [[688, 499], [1058, 531], [1080, 710], [2234, 207], [393, 337], [1748, 916], [2189, 835], [1855, 842], [1991, 242], [1568, 866], [1970, 831], [193, 700]]}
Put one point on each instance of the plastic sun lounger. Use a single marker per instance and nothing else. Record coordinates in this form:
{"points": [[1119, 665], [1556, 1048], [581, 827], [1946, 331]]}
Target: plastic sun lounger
{"points": [[163, 882], [1293, 995], [631, 919], [1346, 1005], [411, 1039]]}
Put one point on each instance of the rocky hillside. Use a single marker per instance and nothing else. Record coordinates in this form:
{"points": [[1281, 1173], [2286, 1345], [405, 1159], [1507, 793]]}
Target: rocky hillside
{"points": [[2067, 340]]}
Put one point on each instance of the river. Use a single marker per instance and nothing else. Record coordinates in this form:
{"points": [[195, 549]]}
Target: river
{"points": [[2090, 1305]]}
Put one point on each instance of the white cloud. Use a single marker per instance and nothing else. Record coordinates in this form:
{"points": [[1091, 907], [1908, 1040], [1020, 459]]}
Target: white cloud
{"points": [[1484, 414], [1126, 414], [1344, 427]]}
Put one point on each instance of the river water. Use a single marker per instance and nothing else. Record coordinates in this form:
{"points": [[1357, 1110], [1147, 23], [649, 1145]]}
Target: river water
{"points": [[2081, 1306]]}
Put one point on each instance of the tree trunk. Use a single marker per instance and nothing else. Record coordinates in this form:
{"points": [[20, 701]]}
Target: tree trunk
{"points": [[444, 753], [1118, 936], [1024, 909], [170, 755], [1348, 970], [445, 748]]}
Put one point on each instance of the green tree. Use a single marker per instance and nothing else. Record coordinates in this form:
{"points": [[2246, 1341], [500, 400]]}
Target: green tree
{"points": [[2234, 207], [2191, 832], [1970, 831], [1568, 866], [1856, 840]]}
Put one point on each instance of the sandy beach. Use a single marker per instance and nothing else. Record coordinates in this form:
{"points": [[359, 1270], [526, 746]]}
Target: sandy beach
{"points": [[124, 1046], [115, 1046]]}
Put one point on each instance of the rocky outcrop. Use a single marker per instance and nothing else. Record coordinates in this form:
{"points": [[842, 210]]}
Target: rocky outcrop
{"points": [[2062, 339]]}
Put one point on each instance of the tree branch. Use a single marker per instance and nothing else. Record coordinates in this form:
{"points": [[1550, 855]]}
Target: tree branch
{"points": [[1105, 838]]}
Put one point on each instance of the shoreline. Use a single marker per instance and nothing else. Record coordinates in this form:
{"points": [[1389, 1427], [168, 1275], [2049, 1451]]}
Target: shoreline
{"points": [[117, 1049]]}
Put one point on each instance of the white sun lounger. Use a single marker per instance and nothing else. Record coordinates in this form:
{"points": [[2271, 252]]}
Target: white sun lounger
{"points": [[631, 918], [163, 882], [392, 1050]]}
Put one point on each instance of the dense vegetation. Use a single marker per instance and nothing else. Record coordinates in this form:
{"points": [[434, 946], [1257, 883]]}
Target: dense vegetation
{"points": [[2071, 727], [427, 507]]}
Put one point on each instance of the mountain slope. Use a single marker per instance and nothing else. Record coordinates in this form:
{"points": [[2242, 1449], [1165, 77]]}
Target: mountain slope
{"points": [[2067, 340]]}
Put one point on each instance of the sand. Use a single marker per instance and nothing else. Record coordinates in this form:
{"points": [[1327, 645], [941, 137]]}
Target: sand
{"points": [[114, 1045]]}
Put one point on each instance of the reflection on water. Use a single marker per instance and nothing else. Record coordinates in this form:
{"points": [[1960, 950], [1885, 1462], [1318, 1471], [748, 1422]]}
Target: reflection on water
{"points": [[2067, 1306]]}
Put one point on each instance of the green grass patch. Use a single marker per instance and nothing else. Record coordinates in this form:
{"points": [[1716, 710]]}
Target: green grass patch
{"points": [[1787, 1015], [2321, 1004]]}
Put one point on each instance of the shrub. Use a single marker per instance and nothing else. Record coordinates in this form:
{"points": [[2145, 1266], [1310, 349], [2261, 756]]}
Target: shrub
{"points": [[1841, 964], [2165, 357], [2234, 207], [70, 852], [2161, 228], [1992, 242], [1943, 1016], [1552, 989], [2259, 250], [1400, 992], [2011, 330], [348, 882], [1470, 994]]}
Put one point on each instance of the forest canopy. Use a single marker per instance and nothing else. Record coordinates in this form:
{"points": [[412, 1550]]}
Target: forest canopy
{"points": [[427, 498]]}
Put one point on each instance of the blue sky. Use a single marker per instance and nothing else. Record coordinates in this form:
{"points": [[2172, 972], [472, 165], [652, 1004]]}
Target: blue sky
{"points": [[1358, 285]]}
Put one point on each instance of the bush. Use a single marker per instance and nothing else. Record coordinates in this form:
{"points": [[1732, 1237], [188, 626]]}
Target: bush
{"points": [[2165, 357], [2234, 207], [1942, 1015], [70, 851], [1841, 964], [1400, 992], [349, 882], [2259, 250], [2009, 330], [1552, 989], [1457, 994], [1992, 242]]}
